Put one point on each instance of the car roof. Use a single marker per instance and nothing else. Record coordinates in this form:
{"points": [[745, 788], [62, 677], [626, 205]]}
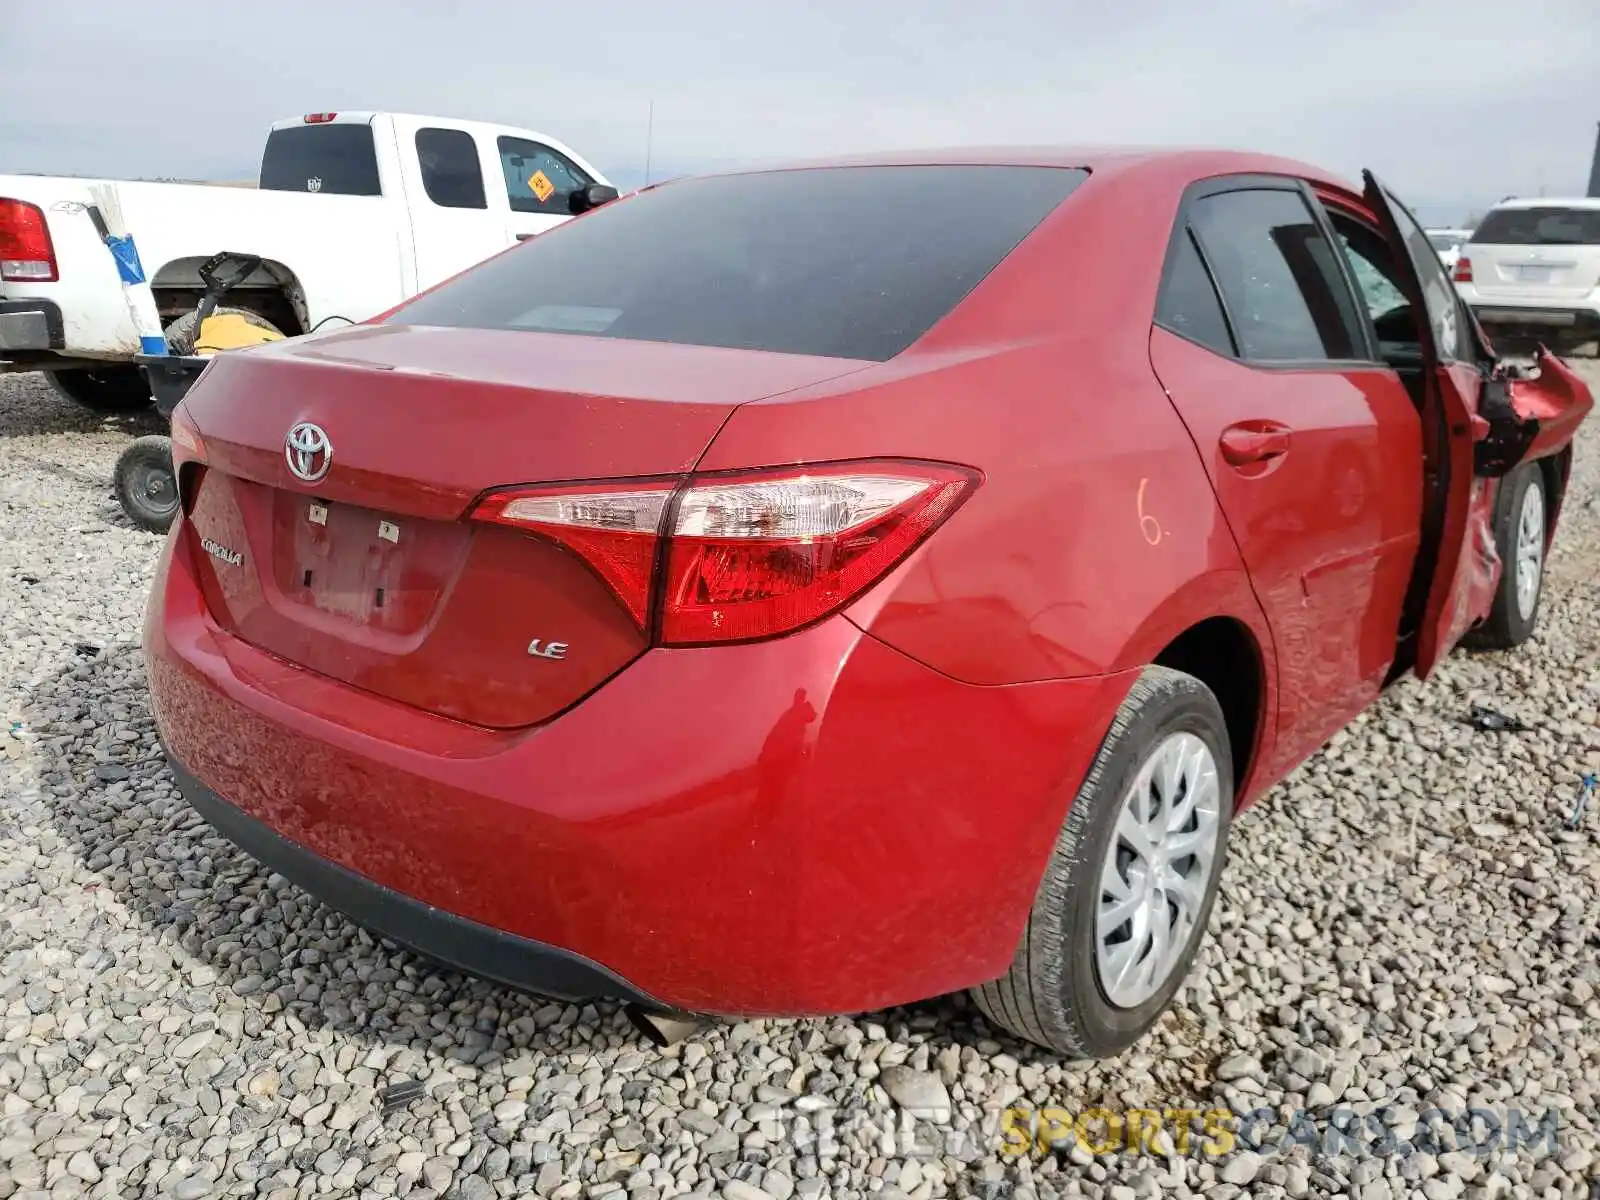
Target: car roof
{"points": [[1171, 162], [1589, 202]]}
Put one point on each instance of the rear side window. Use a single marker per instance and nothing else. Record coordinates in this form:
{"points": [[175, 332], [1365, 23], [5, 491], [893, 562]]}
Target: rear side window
{"points": [[538, 180], [1551, 225], [1284, 292], [1188, 304], [451, 173], [331, 160], [848, 262]]}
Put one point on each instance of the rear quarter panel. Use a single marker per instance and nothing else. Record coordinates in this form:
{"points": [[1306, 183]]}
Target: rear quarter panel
{"points": [[1095, 537]]}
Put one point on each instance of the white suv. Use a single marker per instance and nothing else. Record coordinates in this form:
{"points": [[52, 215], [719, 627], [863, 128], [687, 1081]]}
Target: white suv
{"points": [[1531, 273]]}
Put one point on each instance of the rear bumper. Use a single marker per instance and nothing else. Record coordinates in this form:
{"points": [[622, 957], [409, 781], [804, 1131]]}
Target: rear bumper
{"points": [[1568, 323], [476, 949], [30, 325], [816, 824]]}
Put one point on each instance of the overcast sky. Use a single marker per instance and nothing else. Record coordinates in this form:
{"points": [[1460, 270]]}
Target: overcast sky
{"points": [[1454, 102]]}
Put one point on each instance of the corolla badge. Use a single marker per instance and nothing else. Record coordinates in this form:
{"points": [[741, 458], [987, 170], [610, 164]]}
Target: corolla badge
{"points": [[217, 550], [308, 452]]}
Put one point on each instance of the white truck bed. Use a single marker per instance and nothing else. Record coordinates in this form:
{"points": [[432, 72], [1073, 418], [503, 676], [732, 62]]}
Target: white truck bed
{"points": [[356, 212]]}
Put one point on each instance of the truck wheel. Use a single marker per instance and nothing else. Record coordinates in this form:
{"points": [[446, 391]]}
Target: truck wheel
{"points": [[1128, 889], [145, 484], [1519, 537], [110, 389], [181, 333]]}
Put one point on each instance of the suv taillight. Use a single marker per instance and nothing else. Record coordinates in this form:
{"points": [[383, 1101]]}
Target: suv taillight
{"points": [[746, 555], [1463, 270], [26, 253]]}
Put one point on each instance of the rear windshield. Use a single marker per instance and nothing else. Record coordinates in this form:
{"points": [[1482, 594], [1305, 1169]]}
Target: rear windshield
{"points": [[332, 160], [1545, 226], [845, 262], [1444, 241]]}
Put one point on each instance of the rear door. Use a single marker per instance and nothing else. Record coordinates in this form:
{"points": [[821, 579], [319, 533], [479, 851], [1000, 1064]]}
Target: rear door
{"points": [[1458, 382], [457, 218], [1311, 444], [1549, 254]]}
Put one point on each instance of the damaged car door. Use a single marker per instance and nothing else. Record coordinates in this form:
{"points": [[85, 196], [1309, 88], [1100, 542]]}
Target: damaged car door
{"points": [[1481, 419]]}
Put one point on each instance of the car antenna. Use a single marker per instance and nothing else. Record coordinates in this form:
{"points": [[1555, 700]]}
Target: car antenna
{"points": [[649, 139]]}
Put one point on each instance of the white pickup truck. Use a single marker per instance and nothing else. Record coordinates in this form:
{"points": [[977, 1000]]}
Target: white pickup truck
{"points": [[354, 213]]}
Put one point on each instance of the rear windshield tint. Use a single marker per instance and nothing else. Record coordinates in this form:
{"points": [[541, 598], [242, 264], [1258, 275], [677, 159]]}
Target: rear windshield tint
{"points": [[331, 160], [845, 262], [1544, 226]]}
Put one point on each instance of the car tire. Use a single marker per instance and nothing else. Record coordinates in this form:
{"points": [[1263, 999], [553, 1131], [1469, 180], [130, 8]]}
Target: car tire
{"points": [[1057, 992], [181, 333], [145, 484], [1520, 521], [109, 389]]}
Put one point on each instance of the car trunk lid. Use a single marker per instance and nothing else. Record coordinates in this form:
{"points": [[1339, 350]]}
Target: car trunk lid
{"points": [[371, 574]]}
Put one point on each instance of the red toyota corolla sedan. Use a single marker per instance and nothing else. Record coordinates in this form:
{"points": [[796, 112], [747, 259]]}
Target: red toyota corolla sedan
{"points": [[808, 590]]}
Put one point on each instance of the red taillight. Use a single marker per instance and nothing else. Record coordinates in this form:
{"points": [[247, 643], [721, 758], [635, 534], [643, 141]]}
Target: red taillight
{"points": [[612, 527], [319, 118], [1463, 270], [186, 443], [756, 555], [749, 555], [26, 253], [188, 457]]}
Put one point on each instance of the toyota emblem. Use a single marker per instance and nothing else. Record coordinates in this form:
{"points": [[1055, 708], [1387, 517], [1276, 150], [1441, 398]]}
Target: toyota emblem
{"points": [[308, 452]]}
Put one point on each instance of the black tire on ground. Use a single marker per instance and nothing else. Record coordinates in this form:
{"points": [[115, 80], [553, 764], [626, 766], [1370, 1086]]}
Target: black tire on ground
{"points": [[108, 389], [145, 485], [1053, 995], [1509, 622], [181, 333]]}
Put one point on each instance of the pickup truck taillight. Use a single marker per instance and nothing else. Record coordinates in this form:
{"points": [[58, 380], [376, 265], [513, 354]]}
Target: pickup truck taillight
{"points": [[26, 252], [749, 554], [1463, 270]]}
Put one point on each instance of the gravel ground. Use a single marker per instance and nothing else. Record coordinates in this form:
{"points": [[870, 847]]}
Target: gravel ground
{"points": [[1406, 926]]}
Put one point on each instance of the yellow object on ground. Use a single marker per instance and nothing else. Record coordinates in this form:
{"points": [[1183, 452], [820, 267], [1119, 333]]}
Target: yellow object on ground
{"points": [[231, 331]]}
